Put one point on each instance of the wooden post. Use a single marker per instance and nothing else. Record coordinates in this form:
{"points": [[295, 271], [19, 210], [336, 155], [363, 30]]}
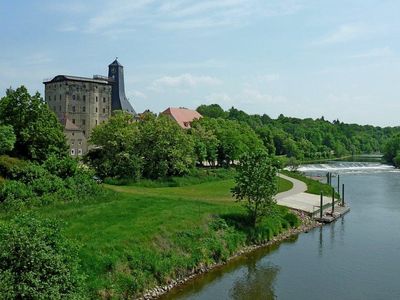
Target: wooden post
{"points": [[343, 194], [333, 200], [321, 206], [338, 185]]}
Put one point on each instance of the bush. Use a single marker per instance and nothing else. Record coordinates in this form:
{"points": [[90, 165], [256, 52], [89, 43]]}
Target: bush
{"points": [[12, 191], [65, 167], [37, 261]]}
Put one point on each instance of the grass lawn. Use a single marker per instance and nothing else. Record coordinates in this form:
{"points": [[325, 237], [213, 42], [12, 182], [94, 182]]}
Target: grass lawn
{"points": [[136, 237]]}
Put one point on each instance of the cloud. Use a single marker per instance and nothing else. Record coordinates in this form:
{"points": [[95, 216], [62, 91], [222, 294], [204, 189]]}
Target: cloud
{"points": [[373, 53], [125, 16], [221, 98], [254, 96], [184, 81], [345, 33], [139, 94], [67, 28]]}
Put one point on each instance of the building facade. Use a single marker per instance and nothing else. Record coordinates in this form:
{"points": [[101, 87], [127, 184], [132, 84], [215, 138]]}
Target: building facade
{"points": [[81, 103]]}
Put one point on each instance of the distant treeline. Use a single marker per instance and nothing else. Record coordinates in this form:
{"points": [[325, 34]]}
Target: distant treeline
{"points": [[307, 139]]}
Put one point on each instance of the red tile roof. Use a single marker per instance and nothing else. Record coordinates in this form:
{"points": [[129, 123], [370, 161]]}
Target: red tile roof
{"points": [[183, 116]]}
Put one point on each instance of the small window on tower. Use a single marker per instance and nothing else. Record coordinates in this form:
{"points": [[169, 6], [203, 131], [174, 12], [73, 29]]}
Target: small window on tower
{"points": [[104, 110], [73, 108], [60, 97], [83, 108], [83, 122], [104, 99], [96, 109], [97, 99], [84, 98], [73, 121], [73, 97], [49, 98]]}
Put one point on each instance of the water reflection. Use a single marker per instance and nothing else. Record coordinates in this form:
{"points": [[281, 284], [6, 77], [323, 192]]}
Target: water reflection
{"points": [[258, 283]]}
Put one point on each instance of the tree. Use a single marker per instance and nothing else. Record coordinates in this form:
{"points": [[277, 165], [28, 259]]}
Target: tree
{"points": [[205, 143], [37, 261], [212, 111], [392, 150], [117, 154], [167, 150], [37, 130], [256, 184], [7, 139]]}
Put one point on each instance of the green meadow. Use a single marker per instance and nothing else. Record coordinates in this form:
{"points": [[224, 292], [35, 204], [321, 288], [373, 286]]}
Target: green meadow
{"points": [[140, 235]]}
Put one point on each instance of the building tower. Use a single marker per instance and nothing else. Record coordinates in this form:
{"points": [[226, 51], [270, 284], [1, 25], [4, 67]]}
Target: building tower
{"points": [[118, 98]]}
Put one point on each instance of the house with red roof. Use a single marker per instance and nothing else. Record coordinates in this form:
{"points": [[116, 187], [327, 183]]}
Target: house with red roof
{"points": [[183, 116]]}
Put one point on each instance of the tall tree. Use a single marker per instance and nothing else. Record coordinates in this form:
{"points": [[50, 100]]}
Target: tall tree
{"points": [[256, 185], [166, 148], [37, 130], [117, 153]]}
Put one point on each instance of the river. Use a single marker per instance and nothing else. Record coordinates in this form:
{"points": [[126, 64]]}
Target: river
{"points": [[357, 257]]}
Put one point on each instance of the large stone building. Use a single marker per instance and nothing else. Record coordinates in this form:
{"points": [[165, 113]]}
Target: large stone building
{"points": [[81, 103]]}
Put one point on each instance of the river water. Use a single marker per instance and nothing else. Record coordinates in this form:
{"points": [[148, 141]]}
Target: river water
{"points": [[357, 257]]}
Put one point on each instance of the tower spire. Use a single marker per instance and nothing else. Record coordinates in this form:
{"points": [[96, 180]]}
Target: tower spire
{"points": [[118, 98]]}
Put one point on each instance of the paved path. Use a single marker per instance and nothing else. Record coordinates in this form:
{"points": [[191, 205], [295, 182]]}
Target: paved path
{"points": [[296, 197]]}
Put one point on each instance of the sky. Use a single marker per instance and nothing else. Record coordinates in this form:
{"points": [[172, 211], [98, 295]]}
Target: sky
{"points": [[301, 58]]}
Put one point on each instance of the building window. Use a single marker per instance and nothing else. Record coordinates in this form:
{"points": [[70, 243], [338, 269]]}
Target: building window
{"points": [[104, 99], [73, 121], [60, 97], [96, 109], [79, 151], [73, 109], [54, 108], [73, 97], [55, 97], [104, 110], [49, 98], [83, 122], [84, 98], [72, 151], [97, 99], [84, 132], [83, 108], [96, 122], [73, 133], [79, 143]]}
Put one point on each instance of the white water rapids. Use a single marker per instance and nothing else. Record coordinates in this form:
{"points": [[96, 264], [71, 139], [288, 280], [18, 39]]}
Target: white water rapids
{"points": [[347, 167]]}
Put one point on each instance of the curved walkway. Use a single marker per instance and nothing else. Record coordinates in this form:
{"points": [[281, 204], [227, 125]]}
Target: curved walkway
{"points": [[297, 198]]}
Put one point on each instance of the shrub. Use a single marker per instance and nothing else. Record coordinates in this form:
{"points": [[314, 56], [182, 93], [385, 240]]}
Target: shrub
{"points": [[12, 191], [37, 261], [65, 167]]}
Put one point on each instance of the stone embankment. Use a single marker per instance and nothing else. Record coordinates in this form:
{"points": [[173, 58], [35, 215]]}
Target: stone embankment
{"points": [[307, 224]]}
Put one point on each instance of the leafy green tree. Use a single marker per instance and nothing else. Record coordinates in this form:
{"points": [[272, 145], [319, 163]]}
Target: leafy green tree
{"points": [[37, 261], [37, 130], [205, 144], [392, 150], [256, 184], [116, 153], [7, 139], [167, 150], [212, 111]]}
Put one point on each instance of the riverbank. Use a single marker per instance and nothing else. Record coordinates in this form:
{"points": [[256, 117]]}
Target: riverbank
{"points": [[307, 224]]}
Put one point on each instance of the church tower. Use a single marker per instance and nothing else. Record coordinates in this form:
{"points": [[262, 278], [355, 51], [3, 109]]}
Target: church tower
{"points": [[118, 98]]}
